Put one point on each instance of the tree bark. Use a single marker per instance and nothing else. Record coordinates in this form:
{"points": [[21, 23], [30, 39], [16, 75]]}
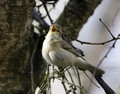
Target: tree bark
{"points": [[76, 14], [15, 15]]}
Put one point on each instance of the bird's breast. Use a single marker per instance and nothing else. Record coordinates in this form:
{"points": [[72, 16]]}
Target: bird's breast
{"points": [[56, 55], [60, 57], [45, 52]]}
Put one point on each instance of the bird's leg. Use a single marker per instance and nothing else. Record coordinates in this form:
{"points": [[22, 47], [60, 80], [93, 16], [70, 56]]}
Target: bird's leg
{"points": [[61, 72]]}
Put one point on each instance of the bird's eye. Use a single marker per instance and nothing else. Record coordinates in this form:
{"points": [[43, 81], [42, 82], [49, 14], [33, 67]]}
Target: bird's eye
{"points": [[58, 30]]}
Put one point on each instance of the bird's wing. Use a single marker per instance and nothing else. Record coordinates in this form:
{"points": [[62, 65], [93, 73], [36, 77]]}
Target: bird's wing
{"points": [[68, 47]]}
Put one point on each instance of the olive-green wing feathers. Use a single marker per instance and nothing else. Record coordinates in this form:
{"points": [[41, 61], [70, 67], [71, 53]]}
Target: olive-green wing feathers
{"points": [[68, 47]]}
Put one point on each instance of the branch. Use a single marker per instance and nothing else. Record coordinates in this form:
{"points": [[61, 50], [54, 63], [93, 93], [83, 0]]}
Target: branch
{"points": [[79, 80], [113, 45], [65, 81], [45, 81], [107, 28], [101, 43], [40, 19], [90, 79], [106, 88], [73, 88], [44, 4], [31, 62]]}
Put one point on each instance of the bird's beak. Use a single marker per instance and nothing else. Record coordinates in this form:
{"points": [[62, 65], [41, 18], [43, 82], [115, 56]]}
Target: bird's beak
{"points": [[53, 29]]}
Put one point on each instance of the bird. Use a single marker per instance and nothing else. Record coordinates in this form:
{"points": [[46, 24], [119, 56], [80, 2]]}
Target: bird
{"points": [[58, 52]]}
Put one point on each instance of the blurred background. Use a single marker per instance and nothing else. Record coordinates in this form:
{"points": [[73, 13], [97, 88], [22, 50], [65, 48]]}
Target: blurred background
{"points": [[23, 26]]}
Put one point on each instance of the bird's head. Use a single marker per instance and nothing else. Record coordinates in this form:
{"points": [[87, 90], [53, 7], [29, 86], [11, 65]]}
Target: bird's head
{"points": [[55, 31], [55, 28]]}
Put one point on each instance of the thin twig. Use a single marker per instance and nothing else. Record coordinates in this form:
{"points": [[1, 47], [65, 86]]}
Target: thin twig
{"points": [[31, 62], [53, 72], [91, 79], [107, 28], [113, 45], [44, 4], [67, 68], [64, 78], [64, 86], [42, 88], [106, 88], [65, 81], [79, 80], [45, 82], [48, 80], [101, 43], [70, 76], [73, 88]]}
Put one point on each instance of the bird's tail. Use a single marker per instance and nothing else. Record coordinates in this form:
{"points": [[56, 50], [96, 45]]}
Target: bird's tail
{"points": [[94, 70], [82, 64]]}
